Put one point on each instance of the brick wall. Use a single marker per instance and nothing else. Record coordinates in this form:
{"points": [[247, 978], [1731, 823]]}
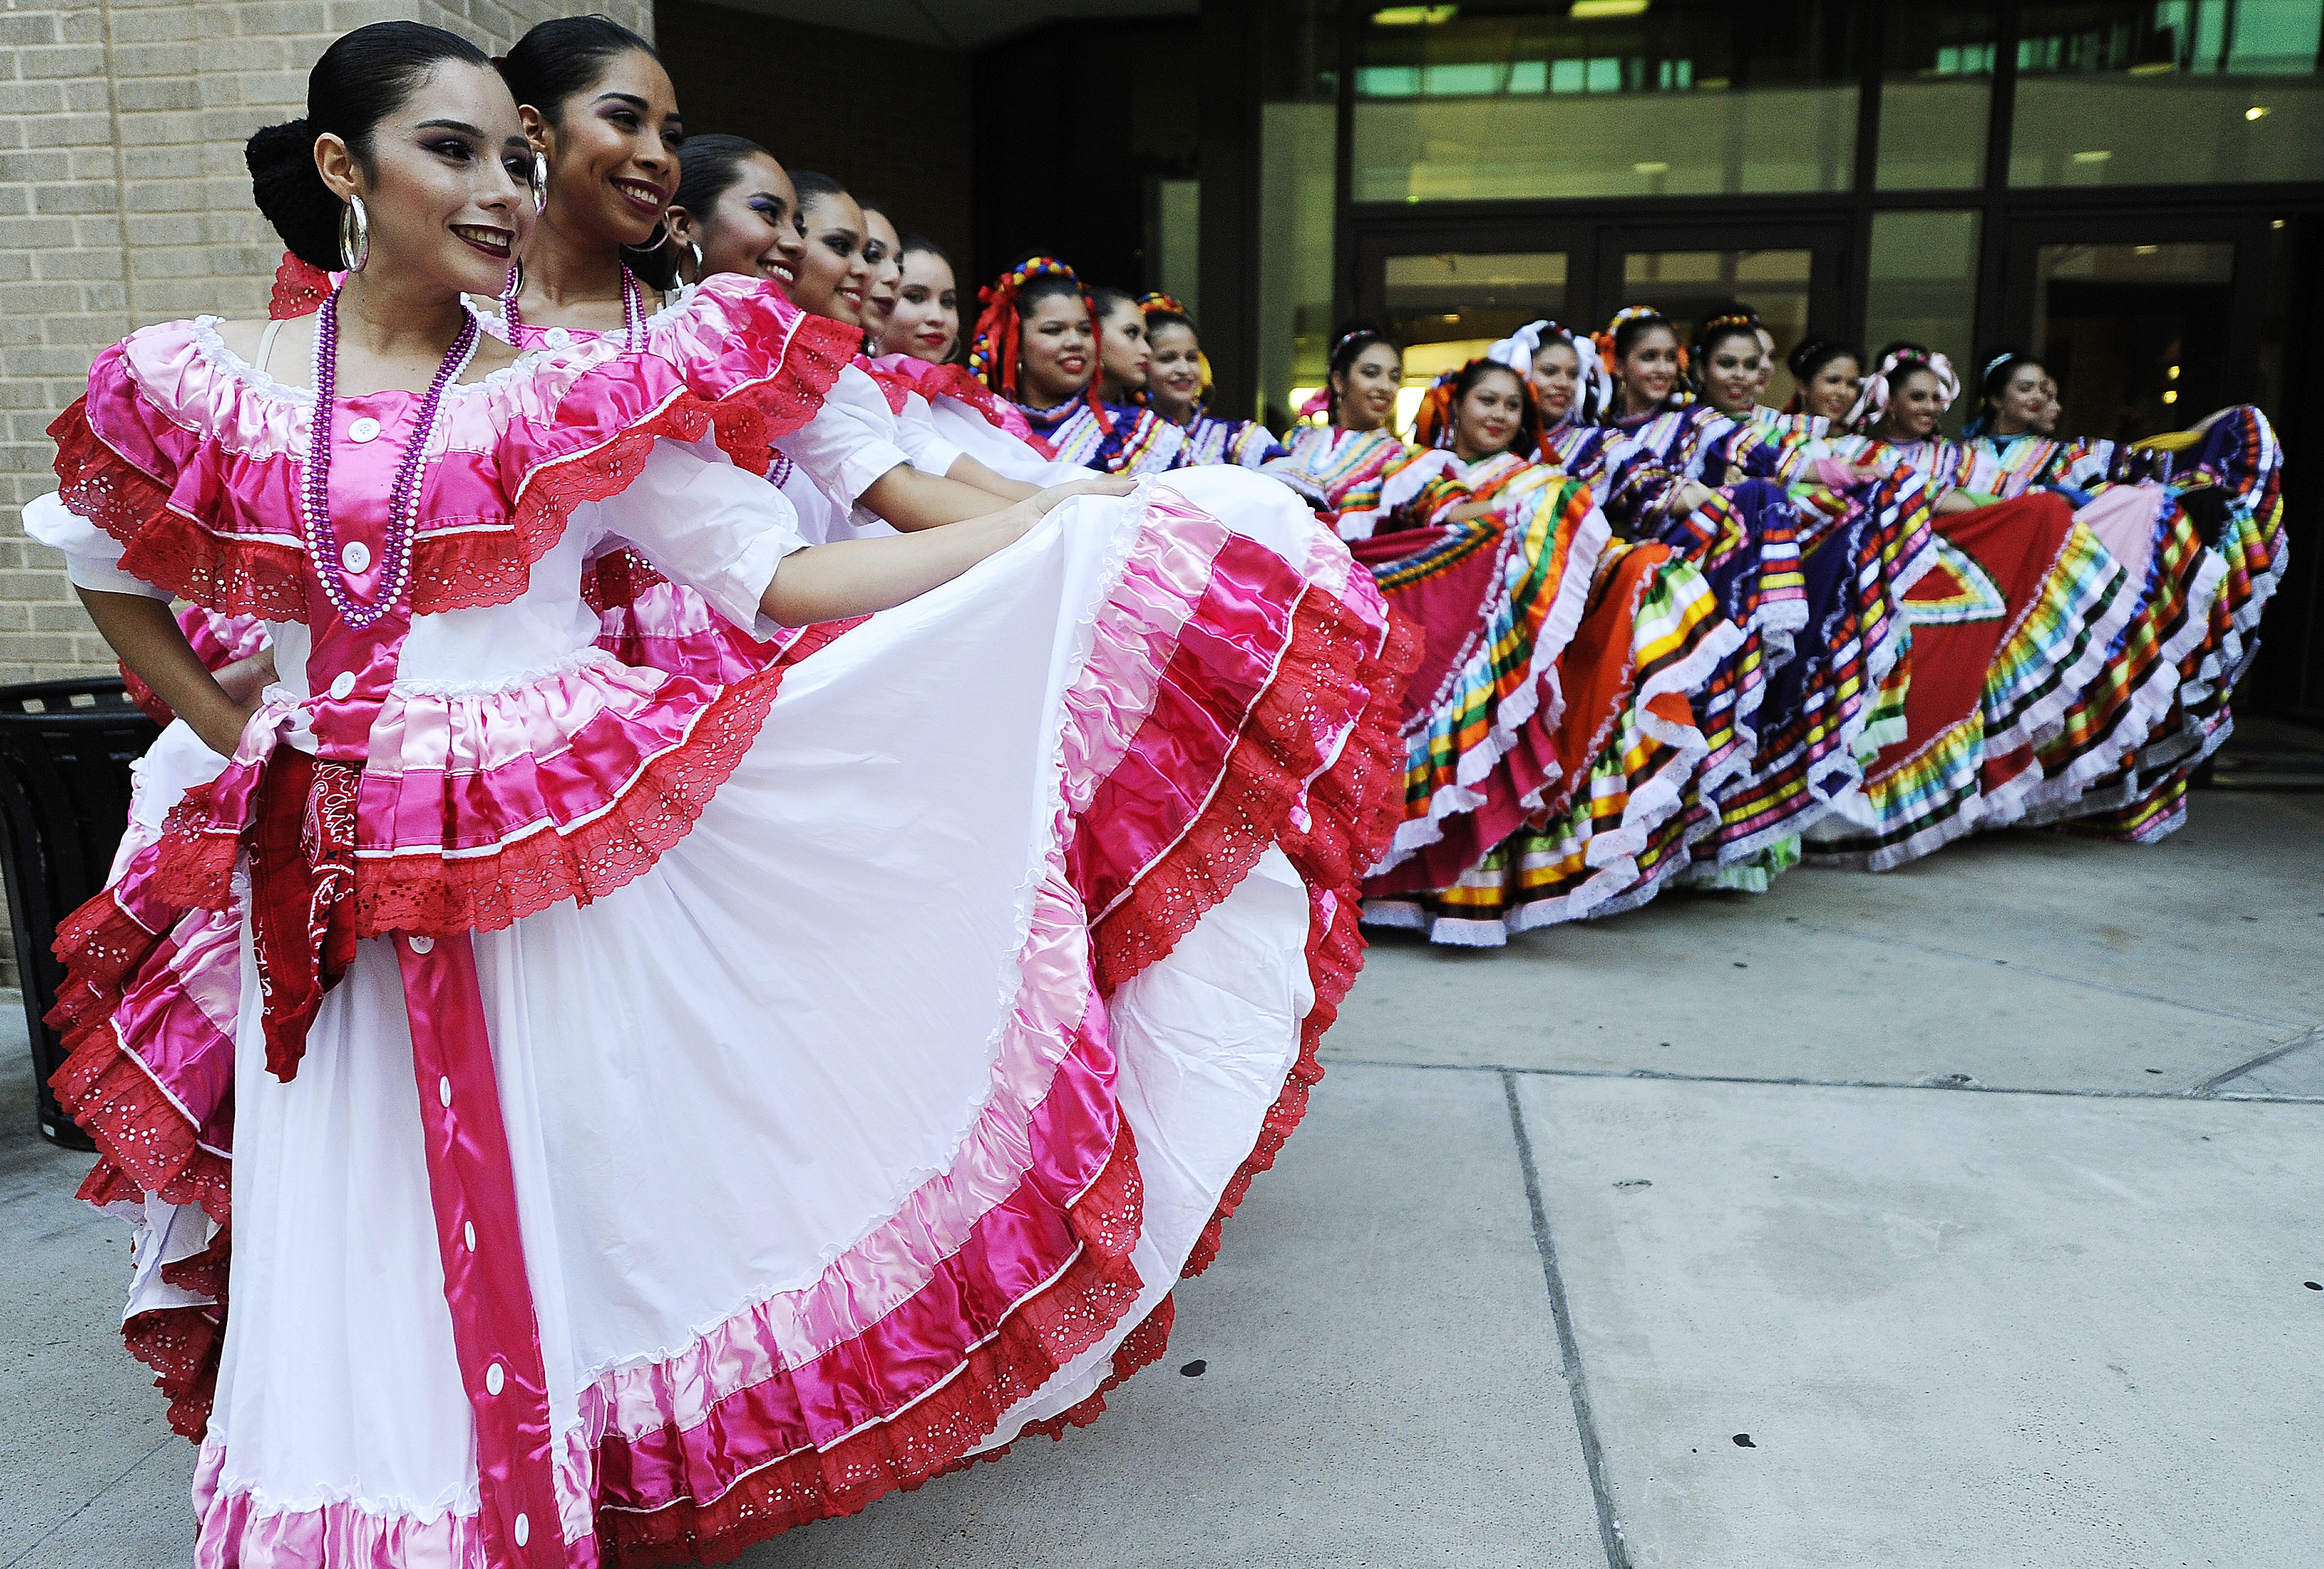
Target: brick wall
{"points": [[124, 200]]}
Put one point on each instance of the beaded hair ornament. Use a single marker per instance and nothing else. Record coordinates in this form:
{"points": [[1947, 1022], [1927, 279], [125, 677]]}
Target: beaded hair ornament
{"points": [[1872, 401], [1681, 390], [992, 352], [1593, 391]]}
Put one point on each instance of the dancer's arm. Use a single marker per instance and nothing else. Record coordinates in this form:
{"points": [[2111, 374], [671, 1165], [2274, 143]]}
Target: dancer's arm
{"points": [[148, 640], [912, 500], [969, 471], [856, 576]]}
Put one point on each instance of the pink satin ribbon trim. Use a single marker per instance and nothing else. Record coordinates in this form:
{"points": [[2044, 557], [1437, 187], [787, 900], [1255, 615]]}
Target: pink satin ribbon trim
{"points": [[1042, 1136], [473, 1183], [1224, 662], [177, 1022]]}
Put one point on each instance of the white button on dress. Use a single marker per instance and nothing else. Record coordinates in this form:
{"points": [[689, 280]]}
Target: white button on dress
{"points": [[426, 945], [363, 430], [355, 555], [494, 1380], [557, 337], [343, 684]]}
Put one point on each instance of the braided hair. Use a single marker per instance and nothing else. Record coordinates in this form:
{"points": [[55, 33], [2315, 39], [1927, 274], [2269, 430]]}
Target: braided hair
{"points": [[1006, 301]]}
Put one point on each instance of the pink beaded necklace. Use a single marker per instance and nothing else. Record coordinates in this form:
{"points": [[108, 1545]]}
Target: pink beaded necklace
{"points": [[403, 499], [633, 310]]}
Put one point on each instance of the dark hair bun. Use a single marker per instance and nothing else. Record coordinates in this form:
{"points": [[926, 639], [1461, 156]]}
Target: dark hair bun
{"points": [[363, 78], [291, 192]]}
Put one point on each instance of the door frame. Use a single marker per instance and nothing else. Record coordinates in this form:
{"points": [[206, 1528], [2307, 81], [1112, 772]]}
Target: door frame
{"points": [[1594, 239], [2248, 284]]}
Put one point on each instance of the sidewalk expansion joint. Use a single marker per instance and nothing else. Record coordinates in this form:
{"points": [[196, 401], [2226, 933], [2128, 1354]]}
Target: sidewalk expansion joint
{"points": [[2205, 1093], [1593, 1455]]}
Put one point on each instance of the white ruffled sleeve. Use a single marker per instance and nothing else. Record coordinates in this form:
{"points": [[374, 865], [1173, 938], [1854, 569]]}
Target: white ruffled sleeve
{"points": [[850, 443], [916, 426], [709, 525], [92, 556]]}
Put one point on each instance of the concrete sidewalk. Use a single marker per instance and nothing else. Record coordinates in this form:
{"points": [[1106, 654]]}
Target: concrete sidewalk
{"points": [[1961, 1216]]}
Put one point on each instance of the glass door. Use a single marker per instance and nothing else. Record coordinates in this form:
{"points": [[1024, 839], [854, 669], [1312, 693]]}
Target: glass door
{"points": [[2148, 322], [1446, 293], [1791, 273]]}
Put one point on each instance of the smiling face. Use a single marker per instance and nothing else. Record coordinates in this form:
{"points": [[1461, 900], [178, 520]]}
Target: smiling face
{"points": [[2021, 403], [1174, 382], [1832, 390], [1487, 416], [926, 322], [612, 151], [1650, 370], [1054, 351], [1733, 370], [752, 228], [1123, 352], [881, 246], [1556, 379], [833, 277], [447, 183], [1915, 406], [1365, 393]]}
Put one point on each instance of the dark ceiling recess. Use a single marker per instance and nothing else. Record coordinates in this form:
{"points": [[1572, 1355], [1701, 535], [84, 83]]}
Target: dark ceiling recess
{"points": [[805, 94], [1073, 121]]}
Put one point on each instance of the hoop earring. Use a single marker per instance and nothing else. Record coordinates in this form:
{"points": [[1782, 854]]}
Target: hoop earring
{"points": [[657, 238], [696, 249], [539, 182], [355, 235]]}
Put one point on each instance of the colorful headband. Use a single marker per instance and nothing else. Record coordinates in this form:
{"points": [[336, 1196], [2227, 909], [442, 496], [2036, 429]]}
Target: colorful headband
{"points": [[1431, 424], [992, 351], [1593, 392], [1160, 304]]}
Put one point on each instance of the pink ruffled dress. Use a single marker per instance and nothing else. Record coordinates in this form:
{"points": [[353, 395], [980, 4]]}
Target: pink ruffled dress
{"points": [[723, 1103]]}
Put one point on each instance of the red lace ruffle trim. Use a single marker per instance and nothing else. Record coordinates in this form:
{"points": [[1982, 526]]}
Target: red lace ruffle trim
{"points": [[440, 897], [300, 288], [182, 1344], [1038, 1338], [449, 571]]}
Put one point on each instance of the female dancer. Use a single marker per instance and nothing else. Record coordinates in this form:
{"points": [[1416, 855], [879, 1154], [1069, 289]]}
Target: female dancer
{"points": [[1037, 343], [1648, 366], [883, 252], [1549, 729], [1572, 389], [778, 1280], [926, 322], [1178, 384], [1338, 466], [1124, 361], [1826, 379]]}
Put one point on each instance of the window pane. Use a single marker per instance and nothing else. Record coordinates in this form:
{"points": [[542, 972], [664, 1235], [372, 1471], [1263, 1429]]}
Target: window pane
{"points": [[1676, 100], [1448, 306], [1923, 287], [1686, 286], [1936, 93], [2134, 334], [1298, 170], [2168, 92]]}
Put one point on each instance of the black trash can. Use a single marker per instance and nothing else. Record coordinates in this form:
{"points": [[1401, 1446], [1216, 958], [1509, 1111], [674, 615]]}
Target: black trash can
{"points": [[65, 751]]}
